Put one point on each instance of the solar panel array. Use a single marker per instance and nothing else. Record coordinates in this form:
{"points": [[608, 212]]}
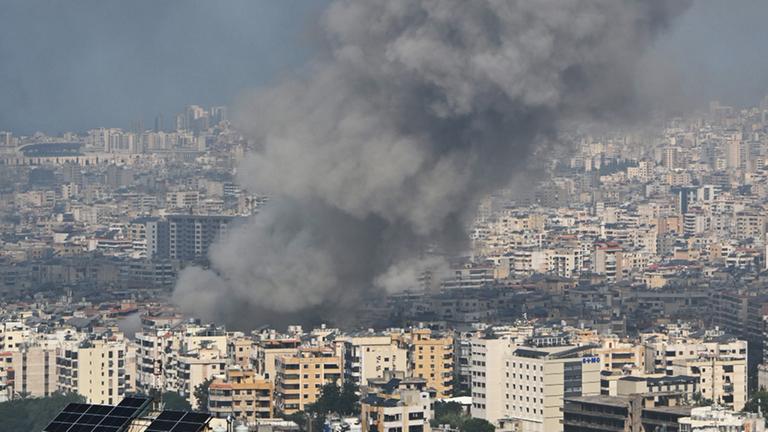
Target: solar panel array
{"points": [[77, 417], [179, 421]]}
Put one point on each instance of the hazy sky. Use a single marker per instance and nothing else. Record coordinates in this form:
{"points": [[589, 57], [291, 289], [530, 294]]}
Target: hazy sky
{"points": [[84, 63], [719, 50], [73, 65]]}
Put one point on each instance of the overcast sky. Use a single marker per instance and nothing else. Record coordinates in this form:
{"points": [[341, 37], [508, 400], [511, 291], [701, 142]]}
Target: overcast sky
{"points": [[73, 65]]}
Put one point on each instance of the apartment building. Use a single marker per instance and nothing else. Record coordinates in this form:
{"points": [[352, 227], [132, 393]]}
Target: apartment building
{"points": [[619, 413], [662, 351], [32, 371], [299, 377], [12, 335], [96, 369], [607, 259], [371, 356], [540, 378], [487, 366], [722, 379], [241, 395], [166, 356], [658, 387], [618, 355], [400, 411], [266, 352], [150, 364], [431, 358], [194, 367], [190, 236], [239, 350]]}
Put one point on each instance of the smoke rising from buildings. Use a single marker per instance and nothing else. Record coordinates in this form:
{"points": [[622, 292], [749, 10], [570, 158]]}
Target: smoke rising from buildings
{"points": [[383, 147]]}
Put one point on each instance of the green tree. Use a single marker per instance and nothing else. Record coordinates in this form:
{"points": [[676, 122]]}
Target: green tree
{"points": [[175, 401], [349, 401], [758, 403], [300, 418], [450, 413], [33, 414], [303, 418], [172, 400], [477, 425], [343, 401], [328, 400], [201, 395], [453, 414]]}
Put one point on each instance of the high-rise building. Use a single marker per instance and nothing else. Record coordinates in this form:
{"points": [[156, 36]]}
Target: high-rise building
{"points": [[6, 139], [219, 114], [488, 377], [159, 126], [300, 377], [98, 370], [157, 238], [431, 358], [34, 371], [539, 380], [190, 236]]}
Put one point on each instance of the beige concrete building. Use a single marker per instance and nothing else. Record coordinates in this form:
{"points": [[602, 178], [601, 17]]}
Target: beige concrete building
{"points": [[721, 379], [658, 387], [195, 367], [266, 351], [371, 356], [617, 355], [300, 377], [95, 369], [33, 371], [607, 259], [431, 358], [239, 350], [401, 411], [12, 335], [242, 395]]}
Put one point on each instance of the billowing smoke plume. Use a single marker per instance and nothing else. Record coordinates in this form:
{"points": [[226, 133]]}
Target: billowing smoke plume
{"points": [[384, 145]]}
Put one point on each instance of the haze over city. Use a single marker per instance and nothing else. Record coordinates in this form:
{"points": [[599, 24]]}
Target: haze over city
{"points": [[400, 216]]}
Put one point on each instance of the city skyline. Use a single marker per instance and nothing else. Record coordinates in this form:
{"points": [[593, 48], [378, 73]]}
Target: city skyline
{"points": [[384, 216]]}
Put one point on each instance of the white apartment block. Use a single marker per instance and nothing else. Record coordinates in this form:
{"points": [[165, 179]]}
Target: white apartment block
{"points": [[540, 378], [487, 366]]}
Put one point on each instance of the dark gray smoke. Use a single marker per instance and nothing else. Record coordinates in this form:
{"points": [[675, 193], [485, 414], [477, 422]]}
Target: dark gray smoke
{"points": [[386, 144]]}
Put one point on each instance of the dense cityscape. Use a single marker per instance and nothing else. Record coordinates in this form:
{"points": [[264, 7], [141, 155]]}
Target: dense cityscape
{"points": [[630, 280], [383, 216]]}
